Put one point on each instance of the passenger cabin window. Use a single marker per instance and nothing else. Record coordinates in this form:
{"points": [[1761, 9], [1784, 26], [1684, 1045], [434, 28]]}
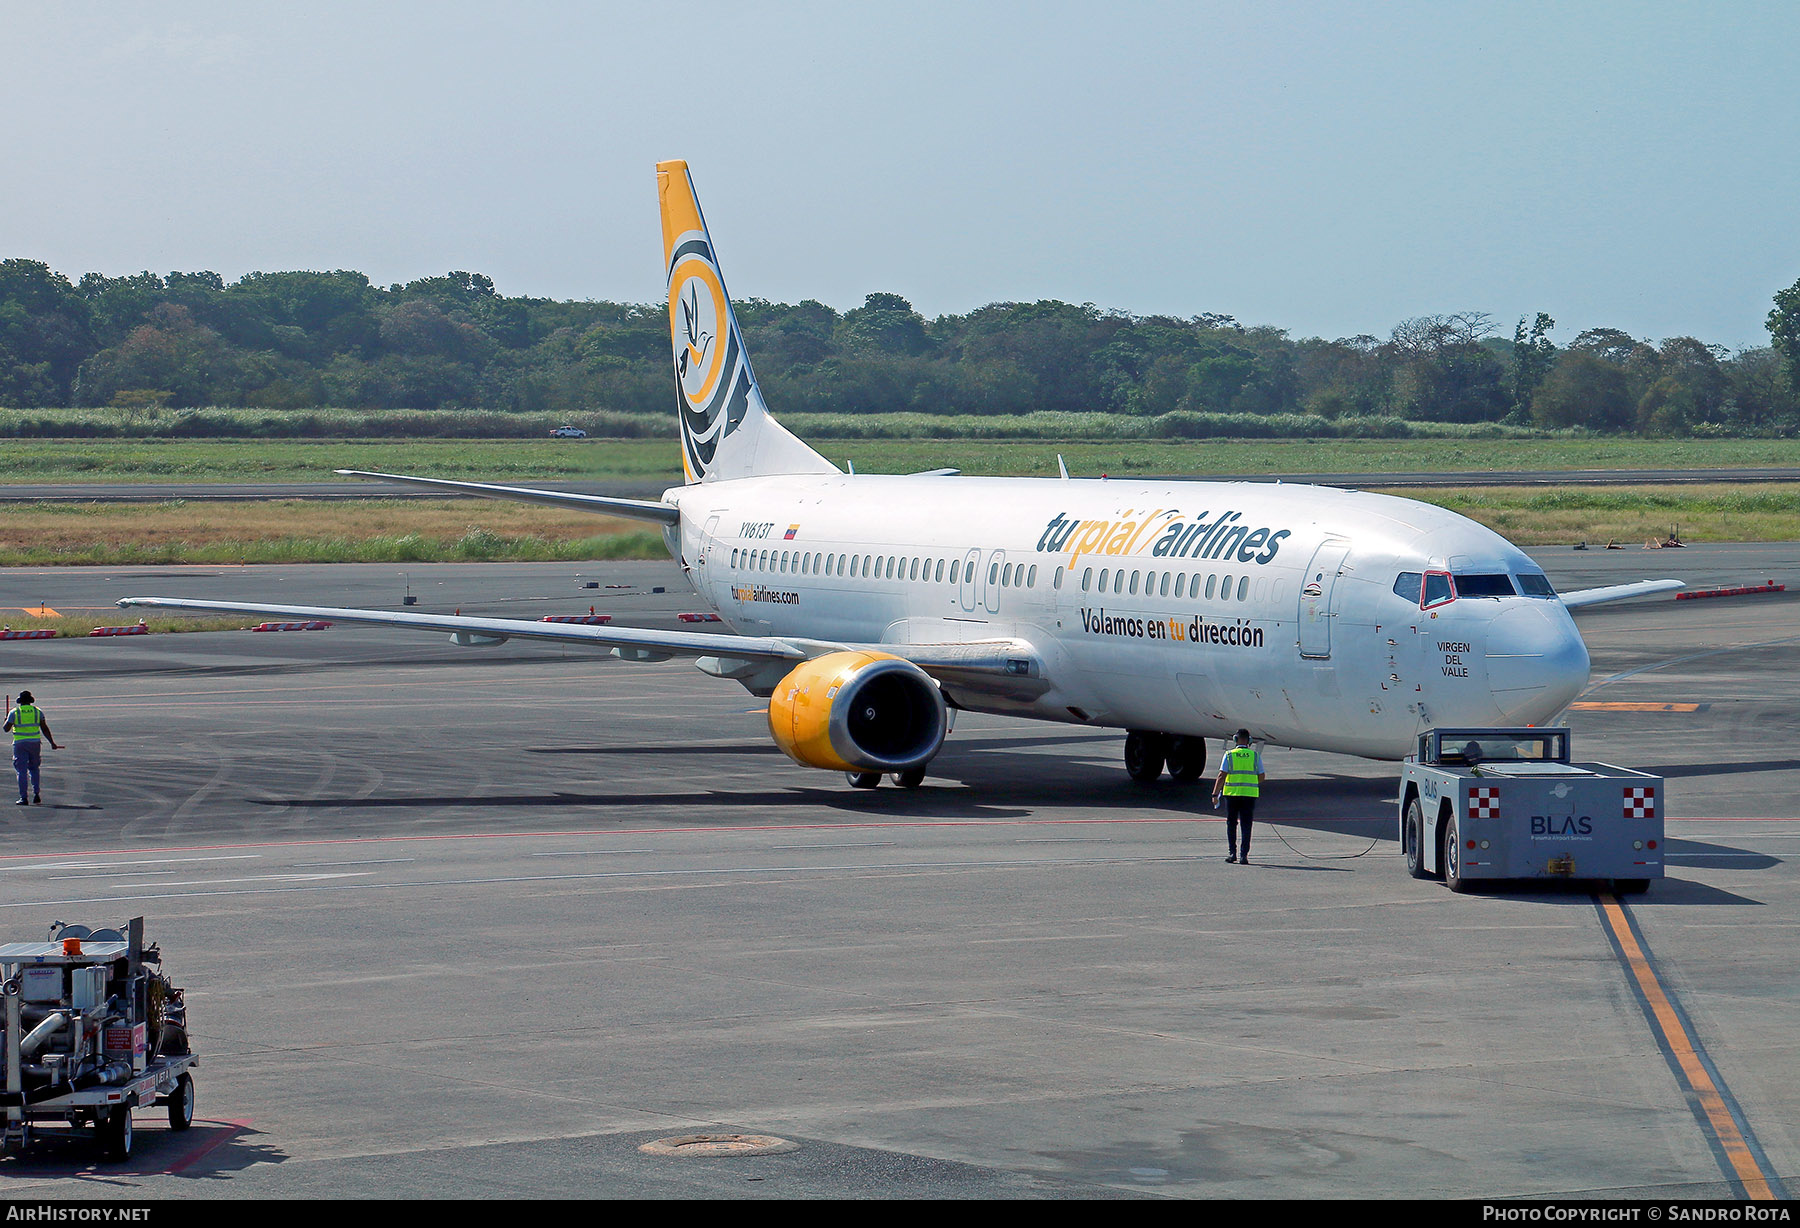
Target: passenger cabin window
{"points": [[1533, 585], [1484, 585], [1243, 587]]}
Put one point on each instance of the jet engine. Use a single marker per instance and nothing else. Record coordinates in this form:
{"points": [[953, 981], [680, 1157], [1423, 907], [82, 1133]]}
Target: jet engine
{"points": [[858, 712]]}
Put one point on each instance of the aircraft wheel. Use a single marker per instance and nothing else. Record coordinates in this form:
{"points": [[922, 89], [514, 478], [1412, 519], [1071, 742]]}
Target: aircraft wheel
{"points": [[911, 778], [1453, 855], [1144, 753], [1187, 758], [1411, 833], [863, 780]]}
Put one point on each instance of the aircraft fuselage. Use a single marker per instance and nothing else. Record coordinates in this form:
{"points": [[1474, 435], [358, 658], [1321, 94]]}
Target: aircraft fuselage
{"points": [[1183, 607]]}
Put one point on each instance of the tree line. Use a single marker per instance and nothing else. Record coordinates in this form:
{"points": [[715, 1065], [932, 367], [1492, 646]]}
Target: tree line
{"points": [[299, 340]]}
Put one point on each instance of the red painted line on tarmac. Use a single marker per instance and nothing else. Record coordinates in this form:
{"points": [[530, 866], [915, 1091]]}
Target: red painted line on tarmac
{"points": [[233, 1130], [714, 830], [638, 831]]}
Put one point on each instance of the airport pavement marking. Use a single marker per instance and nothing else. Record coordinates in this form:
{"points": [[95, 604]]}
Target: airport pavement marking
{"points": [[1740, 1156], [1692, 656], [872, 825], [27, 860], [1604, 706]]}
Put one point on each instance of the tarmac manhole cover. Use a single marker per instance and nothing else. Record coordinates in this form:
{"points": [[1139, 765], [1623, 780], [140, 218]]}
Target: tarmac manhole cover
{"points": [[718, 1145]]}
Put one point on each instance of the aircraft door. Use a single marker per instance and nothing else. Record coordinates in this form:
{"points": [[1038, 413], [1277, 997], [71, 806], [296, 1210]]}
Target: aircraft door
{"points": [[968, 589], [708, 537], [1316, 589], [990, 581], [706, 561]]}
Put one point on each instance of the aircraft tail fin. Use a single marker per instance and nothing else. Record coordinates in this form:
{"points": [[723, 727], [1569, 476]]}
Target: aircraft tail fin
{"points": [[726, 430]]}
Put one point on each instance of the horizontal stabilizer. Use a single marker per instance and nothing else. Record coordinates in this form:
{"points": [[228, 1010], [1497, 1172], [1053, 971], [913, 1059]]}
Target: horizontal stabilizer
{"points": [[605, 505], [1618, 592]]}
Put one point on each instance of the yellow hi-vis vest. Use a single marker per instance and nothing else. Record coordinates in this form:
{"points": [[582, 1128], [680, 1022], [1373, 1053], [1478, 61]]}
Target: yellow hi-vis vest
{"points": [[27, 723], [1240, 772]]}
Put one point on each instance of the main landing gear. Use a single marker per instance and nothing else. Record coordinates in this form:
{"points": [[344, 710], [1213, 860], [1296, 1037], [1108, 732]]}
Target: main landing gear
{"points": [[911, 778], [1147, 754]]}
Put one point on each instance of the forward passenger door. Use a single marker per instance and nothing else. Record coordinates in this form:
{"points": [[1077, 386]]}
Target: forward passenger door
{"points": [[1317, 586]]}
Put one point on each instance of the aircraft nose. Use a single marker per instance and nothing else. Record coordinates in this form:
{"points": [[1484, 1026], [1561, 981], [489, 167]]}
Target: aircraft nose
{"points": [[1536, 661]]}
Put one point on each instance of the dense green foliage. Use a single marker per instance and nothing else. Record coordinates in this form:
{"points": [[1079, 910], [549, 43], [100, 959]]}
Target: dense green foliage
{"points": [[298, 341]]}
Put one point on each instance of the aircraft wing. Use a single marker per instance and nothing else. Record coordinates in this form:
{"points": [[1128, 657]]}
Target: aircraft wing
{"points": [[1014, 661], [497, 630], [1618, 592], [606, 505]]}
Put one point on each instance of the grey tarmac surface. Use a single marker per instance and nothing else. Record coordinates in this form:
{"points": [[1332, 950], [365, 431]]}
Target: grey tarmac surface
{"points": [[478, 923]]}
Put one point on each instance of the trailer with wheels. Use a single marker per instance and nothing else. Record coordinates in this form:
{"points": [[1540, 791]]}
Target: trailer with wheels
{"points": [[1510, 803], [93, 1032]]}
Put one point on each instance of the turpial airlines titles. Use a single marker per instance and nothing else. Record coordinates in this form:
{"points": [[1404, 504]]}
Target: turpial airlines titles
{"points": [[868, 609]]}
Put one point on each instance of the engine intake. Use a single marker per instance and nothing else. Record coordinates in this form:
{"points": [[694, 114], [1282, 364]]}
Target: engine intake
{"points": [[858, 711]]}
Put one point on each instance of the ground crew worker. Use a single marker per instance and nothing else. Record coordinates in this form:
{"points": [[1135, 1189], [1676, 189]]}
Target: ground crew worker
{"points": [[26, 723], [1240, 781]]}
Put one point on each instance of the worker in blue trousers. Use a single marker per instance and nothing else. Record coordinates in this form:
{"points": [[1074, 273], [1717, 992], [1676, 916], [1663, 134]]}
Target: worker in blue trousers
{"points": [[1240, 782], [29, 731]]}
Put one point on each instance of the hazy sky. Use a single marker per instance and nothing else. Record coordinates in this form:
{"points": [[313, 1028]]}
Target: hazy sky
{"points": [[1331, 169]]}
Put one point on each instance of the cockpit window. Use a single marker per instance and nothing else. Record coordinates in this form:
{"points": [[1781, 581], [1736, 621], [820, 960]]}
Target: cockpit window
{"points": [[1407, 586], [1437, 588], [1477, 584], [1534, 585]]}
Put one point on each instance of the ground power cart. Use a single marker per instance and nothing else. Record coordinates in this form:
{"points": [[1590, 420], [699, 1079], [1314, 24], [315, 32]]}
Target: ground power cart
{"points": [[1509, 804], [93, 1030]]}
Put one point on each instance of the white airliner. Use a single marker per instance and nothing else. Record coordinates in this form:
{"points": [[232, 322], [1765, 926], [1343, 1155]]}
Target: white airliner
{"points": [[869, 609]]}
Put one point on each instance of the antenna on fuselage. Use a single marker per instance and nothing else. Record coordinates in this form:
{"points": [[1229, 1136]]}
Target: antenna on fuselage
{"points": [[1062, 468]]}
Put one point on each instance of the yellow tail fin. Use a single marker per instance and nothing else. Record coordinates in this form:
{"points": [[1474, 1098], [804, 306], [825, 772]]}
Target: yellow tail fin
{"points": [[726, 430]]}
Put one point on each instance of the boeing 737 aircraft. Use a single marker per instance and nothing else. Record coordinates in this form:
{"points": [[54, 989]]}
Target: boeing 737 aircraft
{"points": [[870, 608]]}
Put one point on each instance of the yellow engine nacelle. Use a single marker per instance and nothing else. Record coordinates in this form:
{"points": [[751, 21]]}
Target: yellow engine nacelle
{"points": [[858, 712]]}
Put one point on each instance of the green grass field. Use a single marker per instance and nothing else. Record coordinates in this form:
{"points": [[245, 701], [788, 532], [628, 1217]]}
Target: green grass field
{"points": [[651, 460], [395, 531]]}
